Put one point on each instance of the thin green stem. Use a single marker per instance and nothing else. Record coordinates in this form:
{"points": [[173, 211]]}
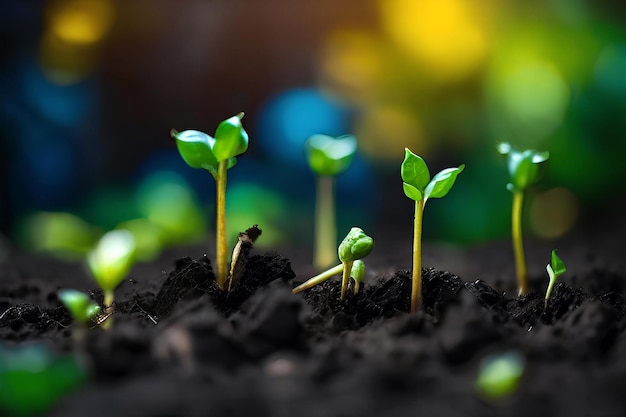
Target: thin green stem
{"points": [[325, 226], [518, 244], [347, 269], [221, 244], [318, 279], [416, 285]]}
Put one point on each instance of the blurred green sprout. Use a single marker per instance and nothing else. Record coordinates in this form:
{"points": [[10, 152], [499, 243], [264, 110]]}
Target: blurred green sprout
{"points": [[419, 187], [499, 375], [526, 168], [216, 155], [354, 247], [33, 380], [84, 310], [109, 263], [327, 157], [555, 269]]}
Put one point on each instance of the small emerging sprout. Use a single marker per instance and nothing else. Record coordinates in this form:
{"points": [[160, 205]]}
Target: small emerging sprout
{"points": [[327, 157], [499, 375], [81, 307], [216, 155], [355, 246], [525, 169], [110, 261], [555, 269], [419, 187]]}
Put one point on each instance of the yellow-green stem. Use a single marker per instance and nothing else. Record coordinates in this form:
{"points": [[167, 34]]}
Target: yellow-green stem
{"points": [[108, 309], [416, 283], [221, 244], [325, 227], [518, 244], [347, 269], [318, 279]]}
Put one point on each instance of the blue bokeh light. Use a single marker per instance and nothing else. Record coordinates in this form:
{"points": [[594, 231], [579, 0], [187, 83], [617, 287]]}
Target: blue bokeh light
{"points": [[288, 119]]}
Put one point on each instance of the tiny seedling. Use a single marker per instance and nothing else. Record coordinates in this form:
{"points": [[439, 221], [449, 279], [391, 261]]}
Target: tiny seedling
{"points": [[216, 155], [355, 246], [419, 187], [525, 169], [555, 269], [109, 262], [81, 307], [327, 157], [499, 375]]}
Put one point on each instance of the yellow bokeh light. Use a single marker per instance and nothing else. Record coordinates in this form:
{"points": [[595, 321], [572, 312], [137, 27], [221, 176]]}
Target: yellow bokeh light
{"points": [[80, 21], [446, 37], [384, 132], [351, 64]]}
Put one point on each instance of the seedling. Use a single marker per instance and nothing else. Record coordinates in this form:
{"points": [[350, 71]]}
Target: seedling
{"points": [[80, 306], [327, 157], [109, 262], [419, 187], [355, 246], [525, 169], [216, 155], [555, 269], [499, 375]]}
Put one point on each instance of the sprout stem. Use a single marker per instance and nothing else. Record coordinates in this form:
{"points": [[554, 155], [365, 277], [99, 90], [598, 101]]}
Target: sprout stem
{"points": [[347, 268], [325, 227], [518, 244], [220, 180], [108, 309], [318, 279], [416, 286]]}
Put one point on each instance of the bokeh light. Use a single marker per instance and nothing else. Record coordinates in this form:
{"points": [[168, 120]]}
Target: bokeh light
{"points": [[447, 38], [553, 213]]}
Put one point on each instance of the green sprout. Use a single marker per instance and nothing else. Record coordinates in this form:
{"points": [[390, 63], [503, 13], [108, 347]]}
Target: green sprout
{"points": [[419, 187], [525, 169], [499, 375], [110, 261], [355, 246], [216, 155], [327, 157], [80, 306], [555, 269]]}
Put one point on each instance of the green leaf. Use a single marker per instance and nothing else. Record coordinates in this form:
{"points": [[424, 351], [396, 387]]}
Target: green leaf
{"points": [[441, 183], [414, 171], [412, 192], [111, 259], [230, 139], [195, 148], [355, 245], [558, 266], [525, 167], [80, 306], [328, 155], [358, 271]]}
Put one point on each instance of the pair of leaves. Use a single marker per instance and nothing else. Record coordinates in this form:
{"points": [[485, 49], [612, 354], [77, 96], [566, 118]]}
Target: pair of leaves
{"points": [[416, 179], [81, 307], [328, 155], [200, 150], [525, 167]]}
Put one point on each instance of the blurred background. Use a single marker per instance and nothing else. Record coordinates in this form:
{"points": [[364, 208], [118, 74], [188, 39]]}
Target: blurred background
{"points": [[89, 90]]}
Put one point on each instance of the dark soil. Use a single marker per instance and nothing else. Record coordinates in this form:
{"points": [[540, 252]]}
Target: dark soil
{"points": [[179, 346]]}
